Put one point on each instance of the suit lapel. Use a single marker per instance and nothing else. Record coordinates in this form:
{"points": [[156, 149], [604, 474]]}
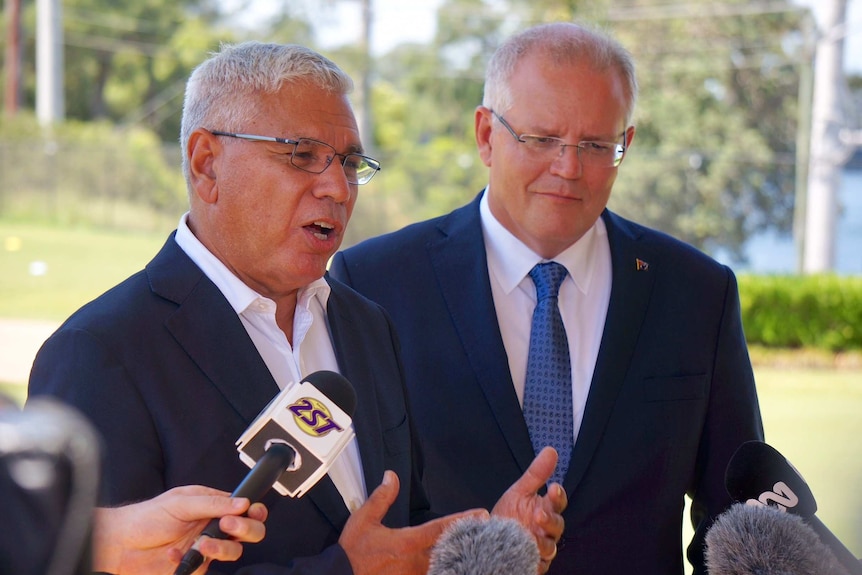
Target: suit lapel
{"points": [[354, 364], [461, 268], [228, 358], [632, 283]]}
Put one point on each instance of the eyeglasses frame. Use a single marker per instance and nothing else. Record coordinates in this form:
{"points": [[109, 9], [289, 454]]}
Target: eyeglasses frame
{"points": [[255, 138], [563, 145]]}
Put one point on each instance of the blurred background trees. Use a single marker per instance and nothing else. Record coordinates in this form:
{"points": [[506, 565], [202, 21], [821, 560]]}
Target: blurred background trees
{"points": [[714, 159]]}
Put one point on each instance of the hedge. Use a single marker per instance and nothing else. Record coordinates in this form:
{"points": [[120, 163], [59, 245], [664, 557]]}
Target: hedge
{"points": [[817, 311]]}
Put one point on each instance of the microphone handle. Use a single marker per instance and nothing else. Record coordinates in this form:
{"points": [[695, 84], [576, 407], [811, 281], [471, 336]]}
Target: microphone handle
{"points": [[845, 556], [259, 480], [254, 486]]}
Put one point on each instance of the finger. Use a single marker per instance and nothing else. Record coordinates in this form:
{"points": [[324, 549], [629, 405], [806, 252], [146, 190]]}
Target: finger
{"points": [[202, 507], [242, 528], [381, 499], [547, 548], [196, 490], [547, 516], [538, 474], [558, 497], [258, 512], [220, 549]]}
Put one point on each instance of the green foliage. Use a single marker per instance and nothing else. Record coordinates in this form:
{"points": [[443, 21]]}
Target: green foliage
{"points": [[88, 174], [713, 160], [821, 311]]}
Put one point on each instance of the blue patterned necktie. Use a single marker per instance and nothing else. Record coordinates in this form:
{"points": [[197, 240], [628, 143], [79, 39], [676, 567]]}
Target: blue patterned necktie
{"points": [[548, 387]]}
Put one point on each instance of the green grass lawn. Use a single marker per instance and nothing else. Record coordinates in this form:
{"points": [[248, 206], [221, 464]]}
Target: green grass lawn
{"points": [[48, 272]]}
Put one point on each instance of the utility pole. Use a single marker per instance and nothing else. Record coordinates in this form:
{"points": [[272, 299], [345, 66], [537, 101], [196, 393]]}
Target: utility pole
{"points": [[13, 57], [828, 153], [366, 124], [803, 133], [50, 106]]}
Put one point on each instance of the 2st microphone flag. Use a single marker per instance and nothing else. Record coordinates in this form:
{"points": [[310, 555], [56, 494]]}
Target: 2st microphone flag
{"points": [[304, 418]]}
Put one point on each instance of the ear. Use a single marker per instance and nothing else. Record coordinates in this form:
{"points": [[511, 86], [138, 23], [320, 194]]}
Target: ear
{"points": [[202, 151], [483, 120], [630, 136]]}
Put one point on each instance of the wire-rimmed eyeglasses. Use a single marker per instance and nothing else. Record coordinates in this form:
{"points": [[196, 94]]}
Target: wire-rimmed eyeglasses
{"points": [[314, 156], [590, 152]]}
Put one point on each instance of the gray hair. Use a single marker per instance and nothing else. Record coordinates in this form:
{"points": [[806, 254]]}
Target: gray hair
{"points": [[564, 43], [220, 92]]}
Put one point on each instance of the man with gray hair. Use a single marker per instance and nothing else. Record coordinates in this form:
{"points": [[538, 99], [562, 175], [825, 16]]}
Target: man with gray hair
{"points": [[174, 363], [535, 316]]}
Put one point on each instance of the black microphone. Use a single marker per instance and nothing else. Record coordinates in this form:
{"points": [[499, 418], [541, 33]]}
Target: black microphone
{"points": [[761, 540], [280, 450], [758, 474], [474, 546]]}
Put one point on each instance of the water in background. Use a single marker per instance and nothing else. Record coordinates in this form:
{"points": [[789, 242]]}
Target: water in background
{"points": [[772, 253]]}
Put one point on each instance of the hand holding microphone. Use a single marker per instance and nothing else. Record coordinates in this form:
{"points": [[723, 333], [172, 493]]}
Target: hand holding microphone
{"points": [[290, 445]]}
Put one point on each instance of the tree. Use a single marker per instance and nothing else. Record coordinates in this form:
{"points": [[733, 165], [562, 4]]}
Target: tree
{"points": [[713, 160]]}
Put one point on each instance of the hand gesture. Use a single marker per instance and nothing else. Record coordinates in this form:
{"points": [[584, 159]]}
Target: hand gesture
{"points": [[377, 550], [541, 515]]}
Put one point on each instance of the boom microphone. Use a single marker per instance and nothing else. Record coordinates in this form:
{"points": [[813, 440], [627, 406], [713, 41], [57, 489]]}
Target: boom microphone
{"points": [[495, 546], [761, 540], [290, 445], [759, 475]]}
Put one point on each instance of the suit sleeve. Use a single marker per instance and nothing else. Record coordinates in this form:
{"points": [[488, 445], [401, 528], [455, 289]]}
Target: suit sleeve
{"points": [[76, 367], [733, 418]]}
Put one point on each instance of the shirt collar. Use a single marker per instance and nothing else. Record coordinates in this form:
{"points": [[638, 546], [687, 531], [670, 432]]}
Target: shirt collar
{"points": [[237, 293]]}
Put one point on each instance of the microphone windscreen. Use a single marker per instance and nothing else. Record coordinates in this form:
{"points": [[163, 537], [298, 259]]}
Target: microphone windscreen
{"points": [[757, 540], [758, 471], [336, 387], [495, 546]]}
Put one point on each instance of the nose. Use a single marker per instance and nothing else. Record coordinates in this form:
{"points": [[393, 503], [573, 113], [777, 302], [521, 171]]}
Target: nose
{"points": [[568, 163], [332, 183]]}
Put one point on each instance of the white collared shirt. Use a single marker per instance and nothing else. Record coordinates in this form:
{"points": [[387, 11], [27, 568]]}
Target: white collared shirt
{"points": [[312, 348], [583, 300]]}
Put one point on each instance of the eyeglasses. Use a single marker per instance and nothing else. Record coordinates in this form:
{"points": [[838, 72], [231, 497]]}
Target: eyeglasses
{"points": [[590, 153], [314, 157]]}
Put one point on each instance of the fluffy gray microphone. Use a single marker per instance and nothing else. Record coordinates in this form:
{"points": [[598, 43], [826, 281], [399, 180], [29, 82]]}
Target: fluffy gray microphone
{"points": [[495, 546], [759, 540]]}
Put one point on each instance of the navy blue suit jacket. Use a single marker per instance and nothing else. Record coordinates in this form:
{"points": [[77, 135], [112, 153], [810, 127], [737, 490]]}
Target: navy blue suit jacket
{"points": [[163, 367], [672, 394]]}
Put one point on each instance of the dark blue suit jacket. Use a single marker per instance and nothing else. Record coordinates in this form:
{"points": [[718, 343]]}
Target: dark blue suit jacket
{"points": [[672, 394], [163, 367]]}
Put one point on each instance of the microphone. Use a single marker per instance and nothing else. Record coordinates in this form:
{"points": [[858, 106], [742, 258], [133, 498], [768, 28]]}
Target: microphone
{"points": [[290, 445], [49, 482], [495, 546], [758, 474], [761, 540]]}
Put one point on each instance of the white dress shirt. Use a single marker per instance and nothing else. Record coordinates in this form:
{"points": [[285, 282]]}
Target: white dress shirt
{"points": [[311, 351], [583, 300]]}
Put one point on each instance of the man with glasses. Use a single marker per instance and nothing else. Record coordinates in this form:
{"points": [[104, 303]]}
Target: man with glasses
{"points": [[176, 362], [535, 316]]}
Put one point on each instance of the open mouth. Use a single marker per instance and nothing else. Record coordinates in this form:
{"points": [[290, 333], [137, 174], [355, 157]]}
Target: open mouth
{"points": [[321, 230]]}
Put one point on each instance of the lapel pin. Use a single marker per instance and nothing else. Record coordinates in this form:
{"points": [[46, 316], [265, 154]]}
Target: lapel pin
{"points": [[642, 266]]}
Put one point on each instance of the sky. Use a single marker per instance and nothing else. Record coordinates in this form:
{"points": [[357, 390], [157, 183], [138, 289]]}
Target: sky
{"points": [[399, 21]]}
